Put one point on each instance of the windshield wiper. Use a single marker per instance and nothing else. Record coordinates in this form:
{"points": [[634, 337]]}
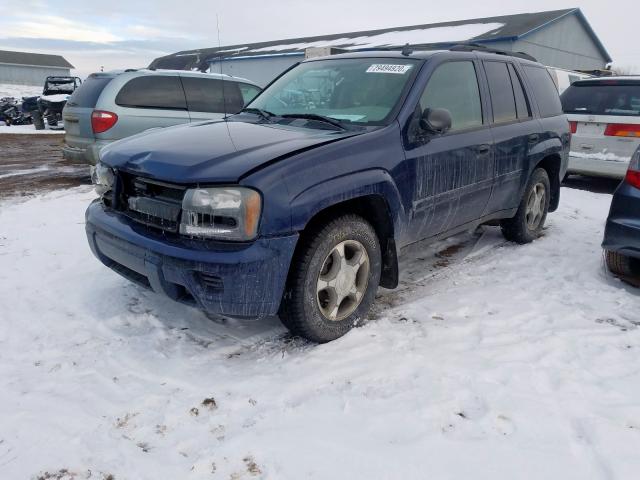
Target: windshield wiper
{"points": [[264, 114], [315, 116]]}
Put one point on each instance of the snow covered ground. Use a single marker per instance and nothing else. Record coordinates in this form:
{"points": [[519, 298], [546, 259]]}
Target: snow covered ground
{"points": [[491, 361]]}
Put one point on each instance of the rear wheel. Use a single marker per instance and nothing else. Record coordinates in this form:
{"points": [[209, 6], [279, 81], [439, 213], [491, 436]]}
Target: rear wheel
{"points": [[38, 121], [529, 220], [621, 264], [333, 280]]}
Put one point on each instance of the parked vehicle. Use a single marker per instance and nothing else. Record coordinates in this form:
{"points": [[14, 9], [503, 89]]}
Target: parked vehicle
{"points": [[300, 204], [115, 105], [50, 104], [11, 112], [604, 114], [622, 232]]}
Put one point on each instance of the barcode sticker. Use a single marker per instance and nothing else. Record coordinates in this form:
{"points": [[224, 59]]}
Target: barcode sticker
{"points": [[387, 68]]}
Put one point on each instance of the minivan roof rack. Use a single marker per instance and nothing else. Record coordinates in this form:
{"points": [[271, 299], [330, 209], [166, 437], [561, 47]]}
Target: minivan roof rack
{"points": [[475, 47]]}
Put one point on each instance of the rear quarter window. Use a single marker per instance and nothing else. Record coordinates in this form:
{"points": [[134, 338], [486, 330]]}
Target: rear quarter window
{"points": [[162, 92], [86, 96], [544, 90]]}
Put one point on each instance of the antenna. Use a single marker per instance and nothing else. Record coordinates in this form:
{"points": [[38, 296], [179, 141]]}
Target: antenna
{"points": [[224, 97]]}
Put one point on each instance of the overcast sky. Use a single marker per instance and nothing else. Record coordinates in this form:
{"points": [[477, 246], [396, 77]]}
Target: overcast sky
{"points": [[131, 33]]}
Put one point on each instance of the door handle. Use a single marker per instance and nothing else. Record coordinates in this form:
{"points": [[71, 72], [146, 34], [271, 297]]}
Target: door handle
{"points": [[482, 149], [534, 137]]}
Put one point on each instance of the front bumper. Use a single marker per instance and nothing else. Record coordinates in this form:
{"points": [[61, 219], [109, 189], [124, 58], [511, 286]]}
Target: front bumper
{"points": [[236, 280], [622, 231], [597, 168]]}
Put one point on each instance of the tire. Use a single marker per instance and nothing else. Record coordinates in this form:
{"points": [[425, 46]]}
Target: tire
{"points": [[621, 264], [529, 220], [320, 274], [38, 121]]}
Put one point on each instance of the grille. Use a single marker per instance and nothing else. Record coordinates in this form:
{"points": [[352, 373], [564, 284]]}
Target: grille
{"points": [[211, 282], [151, 202]]}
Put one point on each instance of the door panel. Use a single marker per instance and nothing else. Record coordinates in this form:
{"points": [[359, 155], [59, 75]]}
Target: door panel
{"points": [[453, 171]]}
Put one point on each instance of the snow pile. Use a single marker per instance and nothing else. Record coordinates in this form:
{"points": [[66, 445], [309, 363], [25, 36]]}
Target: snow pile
{"points": [[19, 91], [603, 155], [29, 129], [418, 36], [500, 361]]}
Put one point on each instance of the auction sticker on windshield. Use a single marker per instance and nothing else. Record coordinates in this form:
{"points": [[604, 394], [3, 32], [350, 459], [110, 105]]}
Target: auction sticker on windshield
{"points": [[386, 68]]}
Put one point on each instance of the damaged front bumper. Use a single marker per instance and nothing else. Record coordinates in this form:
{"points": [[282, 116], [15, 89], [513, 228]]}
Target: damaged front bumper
{"points": [[235, 280]]}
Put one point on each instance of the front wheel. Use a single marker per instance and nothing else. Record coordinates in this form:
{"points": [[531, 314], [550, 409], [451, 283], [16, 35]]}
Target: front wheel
{"points": [[529, 220], [333, 280], [622, 265]]}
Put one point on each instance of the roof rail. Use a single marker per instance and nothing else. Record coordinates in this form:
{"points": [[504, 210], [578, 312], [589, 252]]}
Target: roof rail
{"points": [[475, 47]]}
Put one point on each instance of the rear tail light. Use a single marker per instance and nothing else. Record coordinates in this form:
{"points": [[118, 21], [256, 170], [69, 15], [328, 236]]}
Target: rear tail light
{"points": [[622, 130], [633, 173], [101, 121], [573, 126]]}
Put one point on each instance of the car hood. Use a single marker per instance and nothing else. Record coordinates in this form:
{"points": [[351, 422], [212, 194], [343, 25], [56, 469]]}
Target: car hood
{"points": [[213, 151]]}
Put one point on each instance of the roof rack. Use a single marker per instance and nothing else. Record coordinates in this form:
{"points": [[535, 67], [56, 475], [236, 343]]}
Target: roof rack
{"points": [[475, 47]]}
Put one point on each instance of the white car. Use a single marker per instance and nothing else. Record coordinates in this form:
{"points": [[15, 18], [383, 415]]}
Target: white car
{"points": [[604, 114]]}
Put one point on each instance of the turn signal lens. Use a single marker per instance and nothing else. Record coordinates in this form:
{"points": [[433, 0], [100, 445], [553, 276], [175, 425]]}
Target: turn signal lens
{"points": [[102, 121], [633, 173], [622, 130]]}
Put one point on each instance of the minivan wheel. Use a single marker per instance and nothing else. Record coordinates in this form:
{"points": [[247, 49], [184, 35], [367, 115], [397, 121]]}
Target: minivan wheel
{"points": [[333, 280], [621, 264], [529, 220]]}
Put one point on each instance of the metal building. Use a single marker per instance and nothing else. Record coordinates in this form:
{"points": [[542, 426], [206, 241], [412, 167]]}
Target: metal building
{"points": [[560, 38], [24, 68]]}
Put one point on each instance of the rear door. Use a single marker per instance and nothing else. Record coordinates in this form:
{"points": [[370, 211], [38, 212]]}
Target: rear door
{"points": [[77, 112], [211, 98], [605, 119], [454, 171], [145, 102], [514, 132]]}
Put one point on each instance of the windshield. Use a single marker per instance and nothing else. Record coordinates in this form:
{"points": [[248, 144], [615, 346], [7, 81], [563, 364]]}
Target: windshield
{"points": [[602, 99], [358, 90]]}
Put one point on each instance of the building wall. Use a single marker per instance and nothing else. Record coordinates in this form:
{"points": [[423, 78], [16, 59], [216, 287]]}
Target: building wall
{"points": [[26, 75], [260, 70], [564, 44]]}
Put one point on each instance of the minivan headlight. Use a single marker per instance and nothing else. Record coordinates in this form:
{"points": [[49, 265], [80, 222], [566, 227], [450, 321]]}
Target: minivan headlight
{"points": [[231, 213], [102, 177]]}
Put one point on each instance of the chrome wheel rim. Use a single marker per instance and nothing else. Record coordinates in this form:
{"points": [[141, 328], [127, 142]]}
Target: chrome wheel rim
{"points": [[343, 279], [535, 206]]}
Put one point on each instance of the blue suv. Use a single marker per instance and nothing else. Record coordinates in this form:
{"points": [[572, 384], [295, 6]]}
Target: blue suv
{"points": [[300, 204]]}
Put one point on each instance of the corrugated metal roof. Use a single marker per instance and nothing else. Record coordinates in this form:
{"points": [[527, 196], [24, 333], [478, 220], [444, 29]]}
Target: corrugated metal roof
{"points": [[478, 30], [34, 59]]}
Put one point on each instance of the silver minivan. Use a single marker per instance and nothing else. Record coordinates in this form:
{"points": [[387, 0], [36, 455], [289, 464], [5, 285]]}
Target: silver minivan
{"points": [[604, 114], [114, 105]]}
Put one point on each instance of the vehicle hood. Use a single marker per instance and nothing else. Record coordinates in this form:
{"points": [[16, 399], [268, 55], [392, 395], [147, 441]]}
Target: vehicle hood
{"points": [[213, 151]]}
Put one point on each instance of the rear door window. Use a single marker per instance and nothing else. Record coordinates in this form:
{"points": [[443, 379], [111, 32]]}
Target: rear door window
{"points": [[502, 98], [544, 91], [522, 106], [602, 99], [454, 87], [212, 95], [163, 92], [86, 96]]}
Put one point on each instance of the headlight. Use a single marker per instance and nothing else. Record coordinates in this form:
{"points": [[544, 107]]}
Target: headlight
{"points": [[225, 213], [103, 178]]}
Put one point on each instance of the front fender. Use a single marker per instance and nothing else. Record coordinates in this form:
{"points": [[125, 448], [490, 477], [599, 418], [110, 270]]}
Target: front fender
{"points": [[311, 201]]}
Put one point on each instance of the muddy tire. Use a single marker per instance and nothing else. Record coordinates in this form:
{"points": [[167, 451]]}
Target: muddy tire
{"points": [[333, 280], [529, 220], [38, 121], [621, 264]]}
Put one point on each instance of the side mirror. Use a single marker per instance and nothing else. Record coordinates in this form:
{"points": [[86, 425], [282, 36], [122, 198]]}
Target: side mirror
{"points": [[436, 120]]}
